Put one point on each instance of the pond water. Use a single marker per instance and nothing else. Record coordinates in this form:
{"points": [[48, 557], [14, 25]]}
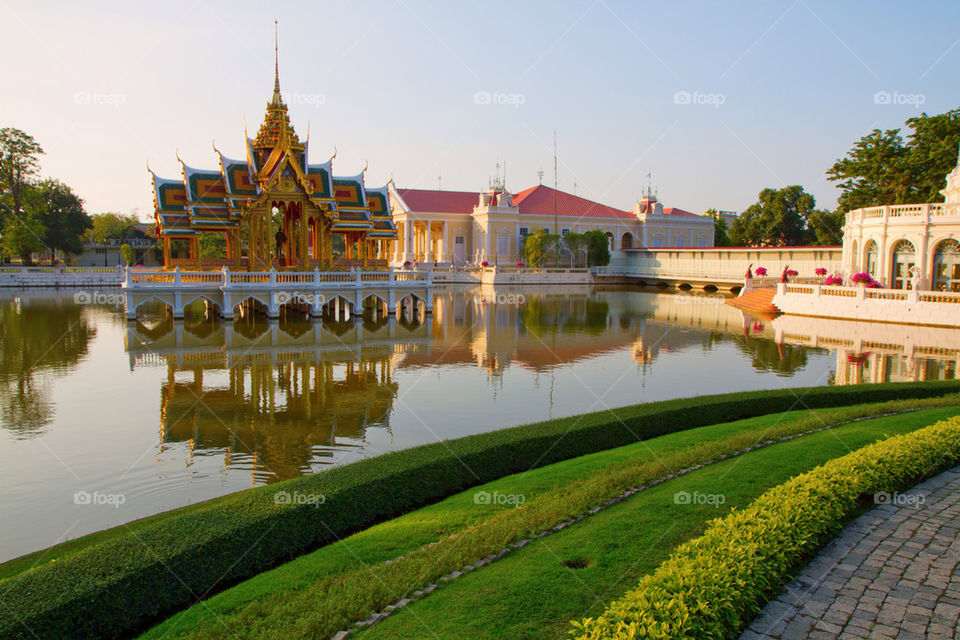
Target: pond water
{"points": [[104, 421]]}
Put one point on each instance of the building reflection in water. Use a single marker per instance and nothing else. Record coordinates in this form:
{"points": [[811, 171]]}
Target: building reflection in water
{"points": [[277, 416], [871, 352], [277, 397], [281, 397]]}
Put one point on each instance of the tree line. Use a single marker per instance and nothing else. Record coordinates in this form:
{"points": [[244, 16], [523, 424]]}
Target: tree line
{"points": [[884, 167], [40, 214]]}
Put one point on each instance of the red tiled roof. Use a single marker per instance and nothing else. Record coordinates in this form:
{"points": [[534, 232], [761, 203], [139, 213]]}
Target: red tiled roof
{"points": [[433, 201], [674, 211], [539, 200], [536, 200]]}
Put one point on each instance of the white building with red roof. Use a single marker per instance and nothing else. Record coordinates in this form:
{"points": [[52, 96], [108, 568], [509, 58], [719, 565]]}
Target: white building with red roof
{"points": [[461, 227]]}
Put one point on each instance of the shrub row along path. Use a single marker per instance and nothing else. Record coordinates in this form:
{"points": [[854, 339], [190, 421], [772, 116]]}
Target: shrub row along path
{"points": [[892, 573]]}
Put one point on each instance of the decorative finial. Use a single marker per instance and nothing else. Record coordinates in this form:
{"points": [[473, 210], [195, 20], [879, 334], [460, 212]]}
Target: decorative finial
{"points": [[148, 168], [365, 165], [334, 154], [276, 59]]}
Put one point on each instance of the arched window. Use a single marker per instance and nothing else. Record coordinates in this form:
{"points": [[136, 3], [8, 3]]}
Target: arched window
{"points": [[626, 242], [904, 260], [872, 257], [946, 266]]}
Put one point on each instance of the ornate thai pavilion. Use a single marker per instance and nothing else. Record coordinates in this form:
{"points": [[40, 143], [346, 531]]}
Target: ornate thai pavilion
{"points": [[274, 208]]}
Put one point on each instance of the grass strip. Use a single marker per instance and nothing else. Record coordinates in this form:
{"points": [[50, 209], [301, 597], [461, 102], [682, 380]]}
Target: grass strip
{"points": [[335, 602], [533, 593], [712, 586]]}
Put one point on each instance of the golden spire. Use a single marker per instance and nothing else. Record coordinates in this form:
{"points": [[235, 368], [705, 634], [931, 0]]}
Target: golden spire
{"points": [[276, 127], [276, 64]]}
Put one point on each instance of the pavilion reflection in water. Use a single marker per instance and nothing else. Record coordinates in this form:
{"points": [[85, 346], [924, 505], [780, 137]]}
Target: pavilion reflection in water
{"points": [[277, 418], [277, 397], [281, 397]]}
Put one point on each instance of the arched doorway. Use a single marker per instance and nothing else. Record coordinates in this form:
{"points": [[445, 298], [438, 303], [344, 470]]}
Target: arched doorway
{"points": [[946, 266], [904, 260], [626, 242], [871, 258]]}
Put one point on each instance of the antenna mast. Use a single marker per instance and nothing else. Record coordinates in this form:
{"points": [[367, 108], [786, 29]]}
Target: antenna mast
{"points": [[555, 183]]}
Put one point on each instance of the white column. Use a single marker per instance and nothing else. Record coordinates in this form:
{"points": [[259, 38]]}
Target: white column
{"points": [[445, 254], [428, 250], [408, 243], [926, 275]]}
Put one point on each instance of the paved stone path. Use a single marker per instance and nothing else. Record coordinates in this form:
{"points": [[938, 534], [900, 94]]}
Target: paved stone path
{"points": [[892, 573]]}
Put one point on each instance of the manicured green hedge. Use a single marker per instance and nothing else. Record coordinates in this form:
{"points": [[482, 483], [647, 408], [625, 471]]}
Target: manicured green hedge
{"points": [[121, 584], [712, 586]]}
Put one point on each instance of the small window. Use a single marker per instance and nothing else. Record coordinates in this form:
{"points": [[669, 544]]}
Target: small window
{"points": [[524, 232], [546, 229], [458, 240], [564, 232]]}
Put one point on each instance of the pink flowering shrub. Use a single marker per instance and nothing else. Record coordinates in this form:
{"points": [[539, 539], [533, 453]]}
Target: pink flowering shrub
{"points": [[484, 264], [867, 280], [820, 271], [761, 271], [519, 264], [836, 281], [791, 272]]}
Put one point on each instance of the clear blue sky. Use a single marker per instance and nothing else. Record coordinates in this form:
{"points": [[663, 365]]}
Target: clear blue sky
{"points": [[784, 88]]}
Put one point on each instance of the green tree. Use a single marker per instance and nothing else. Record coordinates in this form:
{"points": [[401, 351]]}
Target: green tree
{"points": [[61, 212], [598, 248], [19, 164], [213, 244], [881, 168], [778, 218], [576, 245], [127, 252], [825, 228], [721, 237], [106, 226], [541, 248], [22, 236]]}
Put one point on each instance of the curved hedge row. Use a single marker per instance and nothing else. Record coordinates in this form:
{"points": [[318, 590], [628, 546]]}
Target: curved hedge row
{"points": [[118, 585], [712, 586]]}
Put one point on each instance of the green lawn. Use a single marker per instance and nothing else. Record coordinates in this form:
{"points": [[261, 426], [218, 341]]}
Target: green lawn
{"points": [[246, 605], [536, 591]]}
